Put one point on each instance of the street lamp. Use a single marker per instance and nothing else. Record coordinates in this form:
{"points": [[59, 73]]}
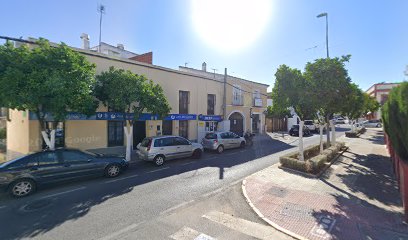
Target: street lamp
{"points": [[327, 31]]}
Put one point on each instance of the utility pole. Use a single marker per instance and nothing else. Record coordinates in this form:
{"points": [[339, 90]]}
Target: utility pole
{"points": [[225, 95], [101, 10], [327, 31]]}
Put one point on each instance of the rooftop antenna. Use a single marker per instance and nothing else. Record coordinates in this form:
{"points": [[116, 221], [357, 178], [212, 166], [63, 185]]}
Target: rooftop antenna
{"points": [[101, 10], [185, 64], [214, 69]]}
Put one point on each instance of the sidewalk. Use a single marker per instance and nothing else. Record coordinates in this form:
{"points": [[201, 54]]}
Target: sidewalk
{"points": [[357, 198]]}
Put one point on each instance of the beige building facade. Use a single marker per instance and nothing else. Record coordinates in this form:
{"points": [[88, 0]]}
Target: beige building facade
{"points": [[196, 101]]}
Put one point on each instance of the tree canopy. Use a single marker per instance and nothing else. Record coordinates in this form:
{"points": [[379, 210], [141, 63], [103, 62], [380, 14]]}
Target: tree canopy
{"points": [[127, 92], [46, 79], [292, 90]]}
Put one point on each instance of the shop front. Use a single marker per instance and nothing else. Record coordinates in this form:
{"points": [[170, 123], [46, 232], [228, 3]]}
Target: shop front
{"points": [[207, 123]]}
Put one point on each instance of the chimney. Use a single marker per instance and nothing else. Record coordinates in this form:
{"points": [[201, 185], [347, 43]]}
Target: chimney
{"points": [[85, 41], [204, 67], [120, 46]]}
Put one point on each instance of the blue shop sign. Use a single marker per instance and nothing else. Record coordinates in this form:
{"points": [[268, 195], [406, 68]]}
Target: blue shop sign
{"points": [[112, 116], [181, 117], [217, 118]]}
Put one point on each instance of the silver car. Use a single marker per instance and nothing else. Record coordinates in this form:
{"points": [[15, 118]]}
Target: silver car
{"points": [[222, 140], [161, 148], [372, 123]]}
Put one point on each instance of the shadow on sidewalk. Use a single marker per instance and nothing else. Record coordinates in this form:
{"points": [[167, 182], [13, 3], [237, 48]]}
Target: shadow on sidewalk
{"points": [[352, 220]]}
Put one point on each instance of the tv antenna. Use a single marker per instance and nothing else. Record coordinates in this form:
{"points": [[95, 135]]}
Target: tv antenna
{"points": [[101, 10], [185, 64], [214, 69]]}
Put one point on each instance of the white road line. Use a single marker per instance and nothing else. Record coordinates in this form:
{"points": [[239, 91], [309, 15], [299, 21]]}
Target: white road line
{"points": [[161, 169], [122, 231], [249, 228], [176, 207], [60, 193], [118, 179], [187, 233], [187, 163]]}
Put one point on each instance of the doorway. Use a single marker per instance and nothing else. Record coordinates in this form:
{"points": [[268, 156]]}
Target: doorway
{"points": [[255, 123], [237, 123], [115, 133], [167, 127], [139, 132]]}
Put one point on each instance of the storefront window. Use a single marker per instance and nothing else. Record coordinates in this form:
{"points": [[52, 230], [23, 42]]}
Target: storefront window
{"points": [[210, 104]]}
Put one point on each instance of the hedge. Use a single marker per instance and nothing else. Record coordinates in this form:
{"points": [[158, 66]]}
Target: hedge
{"points": [[395, 119]]}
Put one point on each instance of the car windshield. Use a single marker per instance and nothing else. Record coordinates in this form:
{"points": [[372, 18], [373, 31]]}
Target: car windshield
{"points": [[211, 136], [145, 142], [308, 122]]}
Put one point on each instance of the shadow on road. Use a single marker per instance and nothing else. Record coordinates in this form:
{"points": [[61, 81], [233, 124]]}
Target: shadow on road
{"points": [[34, 215]]}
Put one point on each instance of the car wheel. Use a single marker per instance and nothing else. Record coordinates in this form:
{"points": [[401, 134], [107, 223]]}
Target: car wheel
{"points": [[242, 145], [197, 153], [22, 188], [158, 160], [112, 170], [220, 149]]}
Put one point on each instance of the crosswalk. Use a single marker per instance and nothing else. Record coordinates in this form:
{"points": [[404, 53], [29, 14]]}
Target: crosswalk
{"points": [[251, 229]]}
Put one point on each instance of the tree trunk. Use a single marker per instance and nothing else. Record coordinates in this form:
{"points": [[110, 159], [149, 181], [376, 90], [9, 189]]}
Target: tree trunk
{"points": [[301, 157], [353, 127], [129, 141], [328, 130], [333, 126], [49, 141], [321, 138]]}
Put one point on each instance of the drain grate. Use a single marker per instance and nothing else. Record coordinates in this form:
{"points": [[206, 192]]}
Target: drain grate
{"points": [[278, 192], [297, 211]]}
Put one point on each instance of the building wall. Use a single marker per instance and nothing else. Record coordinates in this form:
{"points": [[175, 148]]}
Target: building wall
{"points": [[91, 134], [18, 134]]}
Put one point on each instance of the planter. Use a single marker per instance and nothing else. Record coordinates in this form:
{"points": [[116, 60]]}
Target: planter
{"points": [[314, 162]]}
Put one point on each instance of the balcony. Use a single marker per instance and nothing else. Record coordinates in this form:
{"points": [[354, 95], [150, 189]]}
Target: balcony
{"points": [[257, 102], [238, 100]]}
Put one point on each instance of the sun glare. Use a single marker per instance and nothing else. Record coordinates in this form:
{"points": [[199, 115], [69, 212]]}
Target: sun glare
{"points": [[230, 25]]}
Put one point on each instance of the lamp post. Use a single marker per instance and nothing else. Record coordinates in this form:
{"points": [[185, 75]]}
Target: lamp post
{"points": [[327, 31]]}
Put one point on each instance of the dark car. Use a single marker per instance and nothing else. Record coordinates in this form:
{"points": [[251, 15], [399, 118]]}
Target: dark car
{"points": [[22, 176], [294, 131]]}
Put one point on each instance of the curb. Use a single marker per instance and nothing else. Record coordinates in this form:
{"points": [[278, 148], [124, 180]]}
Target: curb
{"points": [[274, 225]]}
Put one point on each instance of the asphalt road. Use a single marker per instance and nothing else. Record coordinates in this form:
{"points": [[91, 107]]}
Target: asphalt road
{"points": [[143, 196]]}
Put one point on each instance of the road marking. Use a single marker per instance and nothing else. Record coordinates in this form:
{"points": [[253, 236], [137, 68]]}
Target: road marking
{"points": [[187, 163], [249, 228], [187, 233], [124, 230], [2, 207], [176, 207], [161, 169], [118, 179], [60, 193]]}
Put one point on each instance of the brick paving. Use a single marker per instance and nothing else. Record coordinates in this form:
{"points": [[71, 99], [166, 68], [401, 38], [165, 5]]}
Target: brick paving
{"points": [[357, 198]]}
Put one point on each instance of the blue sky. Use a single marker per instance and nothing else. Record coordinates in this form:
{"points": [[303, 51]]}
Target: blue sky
{"points": [[374, 32]]}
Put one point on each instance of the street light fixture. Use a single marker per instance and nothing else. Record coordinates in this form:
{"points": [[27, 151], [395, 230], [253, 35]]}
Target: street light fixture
{"points": [[327, 30]]}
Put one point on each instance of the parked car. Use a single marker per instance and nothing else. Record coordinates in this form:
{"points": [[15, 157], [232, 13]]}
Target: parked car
{"points": [[22, 176], [220, 141], [372, 123], [294, 131], [340, 121], [162, 148], [311, 126]]}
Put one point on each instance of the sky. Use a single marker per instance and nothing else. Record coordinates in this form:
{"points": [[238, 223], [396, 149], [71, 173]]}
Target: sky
{"points": [[249, 38]]}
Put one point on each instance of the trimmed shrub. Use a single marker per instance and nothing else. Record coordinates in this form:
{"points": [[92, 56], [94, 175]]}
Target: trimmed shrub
{"points": [[395, 119], [293, 163]]}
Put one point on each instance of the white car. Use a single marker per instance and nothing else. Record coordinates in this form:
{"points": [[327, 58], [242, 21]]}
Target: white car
{"points": [[372, 123]]}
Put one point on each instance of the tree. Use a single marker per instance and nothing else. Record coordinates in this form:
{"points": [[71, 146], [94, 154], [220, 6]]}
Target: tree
{"points": [[292, 90], [355, 104], [131, 94], [330, 83], [370, 104], [45, 80]]}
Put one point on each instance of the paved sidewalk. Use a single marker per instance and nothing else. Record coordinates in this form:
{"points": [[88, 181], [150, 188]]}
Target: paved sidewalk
{"points": [[357, 198]]}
